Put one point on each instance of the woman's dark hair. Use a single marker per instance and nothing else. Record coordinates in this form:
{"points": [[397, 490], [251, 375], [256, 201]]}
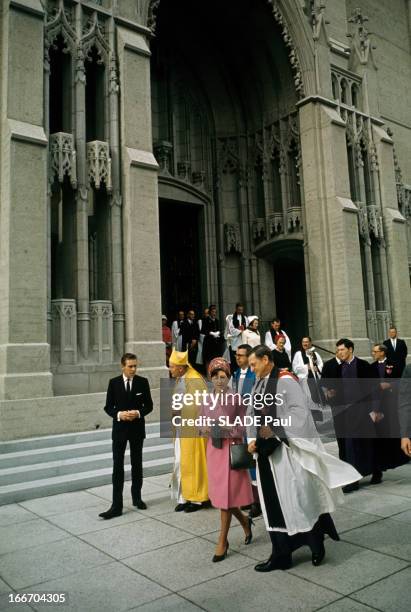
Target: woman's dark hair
{"points": [[216, 370]]}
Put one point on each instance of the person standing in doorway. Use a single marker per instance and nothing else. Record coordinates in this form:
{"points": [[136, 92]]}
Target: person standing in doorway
{"points": [[274, 333]]}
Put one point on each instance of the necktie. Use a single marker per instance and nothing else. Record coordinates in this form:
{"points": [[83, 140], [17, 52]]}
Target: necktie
{"points": [[128, 389]]}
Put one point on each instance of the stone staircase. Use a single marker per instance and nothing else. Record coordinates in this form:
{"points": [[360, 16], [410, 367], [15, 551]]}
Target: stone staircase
{"points": [[37, 467]]}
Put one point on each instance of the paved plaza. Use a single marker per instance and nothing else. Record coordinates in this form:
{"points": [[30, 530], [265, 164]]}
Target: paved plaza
{"points": [[159, 560]]}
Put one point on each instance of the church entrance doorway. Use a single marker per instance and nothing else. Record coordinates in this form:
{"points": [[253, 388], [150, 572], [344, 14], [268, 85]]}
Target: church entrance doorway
{"points": [[180, 252], [290, 293]]}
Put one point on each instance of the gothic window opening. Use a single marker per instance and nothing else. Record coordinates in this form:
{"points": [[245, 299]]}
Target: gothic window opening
{"points": [[364, 276], [95, 97], [60, 88], [99, 241], [293, 175], [62, 241], [335, 87], [377, 275], [369, 191], [259, 189], [181, 134], [160, 100], [355, 95], [352, 172], [276, 192], [344, 91]]}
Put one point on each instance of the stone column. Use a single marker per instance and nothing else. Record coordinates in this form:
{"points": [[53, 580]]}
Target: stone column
{"points": [[24, 349], [375, 177], [365, 233], [395, 234], [82, 263], [333, 249], [139, 168], [115, 209]]}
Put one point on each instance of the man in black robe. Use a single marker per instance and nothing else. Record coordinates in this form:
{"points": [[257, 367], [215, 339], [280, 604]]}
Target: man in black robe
{"points": [[350, 393], [387, 443], [213, 345], [267, 440], [404, 410]]}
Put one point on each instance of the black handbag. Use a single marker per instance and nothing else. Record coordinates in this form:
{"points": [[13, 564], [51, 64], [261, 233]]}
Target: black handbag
{"points": [[240, 458]]}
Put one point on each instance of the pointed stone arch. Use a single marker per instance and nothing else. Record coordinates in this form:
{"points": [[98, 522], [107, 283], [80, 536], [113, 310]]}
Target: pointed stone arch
{"points": [[296, 34]]}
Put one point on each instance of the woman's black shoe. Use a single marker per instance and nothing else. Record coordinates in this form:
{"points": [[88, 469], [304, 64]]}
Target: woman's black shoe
{"points": [[255, 510], [248, 538], [218, 558], [275, 563], [315, 540], [327, 526], [318, 556]]}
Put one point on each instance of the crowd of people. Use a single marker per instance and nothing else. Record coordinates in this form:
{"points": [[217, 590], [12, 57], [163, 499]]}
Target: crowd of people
{"points": [[277, 467]]}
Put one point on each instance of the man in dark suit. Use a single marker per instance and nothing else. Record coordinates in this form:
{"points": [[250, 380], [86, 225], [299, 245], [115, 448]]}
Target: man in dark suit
{"points": [[190, 334], [128, 401], [396, 350]]}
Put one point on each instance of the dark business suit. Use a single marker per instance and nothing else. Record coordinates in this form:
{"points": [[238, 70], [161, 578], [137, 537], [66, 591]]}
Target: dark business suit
{"points": [[118, 400], [189, 332], [397, 357]]}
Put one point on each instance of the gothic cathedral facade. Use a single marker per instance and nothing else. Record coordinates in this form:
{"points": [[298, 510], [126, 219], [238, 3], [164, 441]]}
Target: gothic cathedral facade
{"points": [[165, 154]]}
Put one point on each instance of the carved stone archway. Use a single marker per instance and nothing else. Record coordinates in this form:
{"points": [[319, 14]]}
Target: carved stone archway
{"points": [[296, 34]]}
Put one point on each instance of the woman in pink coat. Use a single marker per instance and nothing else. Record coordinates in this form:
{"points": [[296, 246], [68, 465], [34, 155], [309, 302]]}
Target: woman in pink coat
{"points": [[228, 489]]}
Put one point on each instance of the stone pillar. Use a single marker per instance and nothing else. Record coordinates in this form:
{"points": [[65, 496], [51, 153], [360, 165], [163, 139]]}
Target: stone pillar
{"points": [[333, 249], [395, 233], [82, 263], [115, 210], [139, 168], [24, 350]]}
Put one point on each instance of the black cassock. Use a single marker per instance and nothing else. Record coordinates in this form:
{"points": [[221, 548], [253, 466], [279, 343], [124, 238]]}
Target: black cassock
{"points": [[387, 443], [351, 405], [212, 347], [282, 542]]}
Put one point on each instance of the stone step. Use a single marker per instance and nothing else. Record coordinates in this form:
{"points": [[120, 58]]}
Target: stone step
{"points": [[73, 482], [38, 467], [48, 469], [81, 437], [66, 451]]}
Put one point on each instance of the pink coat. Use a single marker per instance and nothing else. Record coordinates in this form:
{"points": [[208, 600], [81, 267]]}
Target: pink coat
{"points": [[227, 488]]}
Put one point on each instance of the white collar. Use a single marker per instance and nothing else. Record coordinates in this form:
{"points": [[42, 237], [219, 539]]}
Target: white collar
{"points": [[125, 379]]}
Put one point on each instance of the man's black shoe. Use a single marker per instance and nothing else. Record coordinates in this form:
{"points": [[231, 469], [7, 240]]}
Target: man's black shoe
{"points": [[138, 503], [274, 563], [354, 486], [181, 507], [192, 507], [376, 478], [111, 513]]}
